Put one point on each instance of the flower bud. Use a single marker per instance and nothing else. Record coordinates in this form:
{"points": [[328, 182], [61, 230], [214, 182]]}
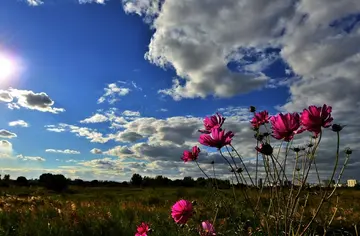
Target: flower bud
{"points": [[337, 127], [252, 109], [348, 151], [212, 162], [296, 149], [194, 203], [265, 149], [239, 170]]}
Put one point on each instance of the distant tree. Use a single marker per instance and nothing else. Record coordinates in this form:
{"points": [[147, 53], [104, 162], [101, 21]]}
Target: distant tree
{"points": [[22, 181], [6, 178], [56, 183], [188, 182], [136, 180]]}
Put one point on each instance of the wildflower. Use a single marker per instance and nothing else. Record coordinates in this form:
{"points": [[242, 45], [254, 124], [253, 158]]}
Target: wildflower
{"points": [[143, 229], [218, 138], [337, 127], [207, 229], [252, 109], [211, 122], [313, 118], [259, 119], [181, 211], [265, 149], [285, 126], [191, 155]]}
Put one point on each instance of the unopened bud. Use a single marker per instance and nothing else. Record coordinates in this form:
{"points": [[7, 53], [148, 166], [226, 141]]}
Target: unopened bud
{"points": [[212, 163], [194, 203], [296, 149], [239, 170], [348, 151], [252, 109], [337, 127]]}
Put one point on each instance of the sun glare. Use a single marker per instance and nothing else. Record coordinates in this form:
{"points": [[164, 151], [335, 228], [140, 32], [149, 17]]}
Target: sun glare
{"points": [[7, 67]]}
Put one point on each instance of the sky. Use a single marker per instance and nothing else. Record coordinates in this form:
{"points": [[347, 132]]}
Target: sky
{"points": [[103, 89]]}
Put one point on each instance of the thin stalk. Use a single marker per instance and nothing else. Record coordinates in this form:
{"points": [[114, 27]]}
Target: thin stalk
{"points": [[337, 157], [202, 169], [339, 177], [251, 180]]}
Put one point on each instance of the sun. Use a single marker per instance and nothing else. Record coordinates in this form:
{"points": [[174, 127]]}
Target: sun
{"points": [[7, 67]]}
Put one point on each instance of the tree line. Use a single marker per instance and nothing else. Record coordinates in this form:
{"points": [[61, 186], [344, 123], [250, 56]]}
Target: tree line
{"points": [[58, 182]]}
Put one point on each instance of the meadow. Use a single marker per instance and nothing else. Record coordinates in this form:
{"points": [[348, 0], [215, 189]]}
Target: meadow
{"points": [[117, 211]]}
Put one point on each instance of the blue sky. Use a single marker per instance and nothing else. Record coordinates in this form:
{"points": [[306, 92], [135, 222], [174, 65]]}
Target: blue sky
{"points": [[73, 53]]}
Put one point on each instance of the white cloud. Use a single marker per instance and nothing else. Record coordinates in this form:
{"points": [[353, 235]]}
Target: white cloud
{"points": [[29, 100], [66, 151], [20, 123], [30, 158], [120, 151], [163, 110], [7, 134], [34, 2], [131, 113], [97, 118], [96, 151], [113, 92], [92, 1], [5, 148], [91, 134]]}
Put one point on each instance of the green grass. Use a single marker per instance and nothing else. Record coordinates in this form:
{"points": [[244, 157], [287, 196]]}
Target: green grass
{"points": [[116, 211]]}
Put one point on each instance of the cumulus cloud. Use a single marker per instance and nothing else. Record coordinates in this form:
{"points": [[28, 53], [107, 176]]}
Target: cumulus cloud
{"points": [[30, 158], [20, 123], [112, 94], [5, 148], [29, 100], [66, 151], [120, 151], [35, 2], [5, 96], [96, 151], [130, 113], [7, 134], [97, 118], [91, 134]]}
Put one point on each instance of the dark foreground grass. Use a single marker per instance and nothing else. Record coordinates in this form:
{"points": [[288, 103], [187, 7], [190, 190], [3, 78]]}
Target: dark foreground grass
{"points": [[115, 211]]}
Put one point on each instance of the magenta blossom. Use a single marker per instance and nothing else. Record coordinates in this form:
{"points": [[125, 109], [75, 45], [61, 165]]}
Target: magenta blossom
{"points": [[313, 118], [218, 138], [215, 121], [191, 155], [285, 126], [260, 118], [181, 211], [207, 229], [142, 229]]}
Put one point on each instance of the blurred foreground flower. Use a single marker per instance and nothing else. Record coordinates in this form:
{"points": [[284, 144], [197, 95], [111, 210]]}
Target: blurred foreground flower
{"points": [[207, 229], [142, 229], [181, 211]]}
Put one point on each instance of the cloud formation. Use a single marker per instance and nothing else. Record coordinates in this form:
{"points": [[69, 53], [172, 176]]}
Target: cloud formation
{"points": [[30, 158], [66, 151], [20, 123], [112, 94], [97, 118], [29, 100], [7, 134]]}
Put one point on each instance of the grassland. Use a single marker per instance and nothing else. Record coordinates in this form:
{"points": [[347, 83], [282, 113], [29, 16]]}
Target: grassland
{"points": [[117, 211]]}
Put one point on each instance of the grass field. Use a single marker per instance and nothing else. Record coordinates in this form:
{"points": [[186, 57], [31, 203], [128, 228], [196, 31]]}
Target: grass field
{"points": [[117, 211]]}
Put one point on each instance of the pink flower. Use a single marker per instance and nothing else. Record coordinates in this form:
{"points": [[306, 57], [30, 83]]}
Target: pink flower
{"points": [[260, 118], [142, 229], [181, 211], [218, 138], [191, 155], [285, 126], [207, 229], [313, 118], [215, 121]]}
